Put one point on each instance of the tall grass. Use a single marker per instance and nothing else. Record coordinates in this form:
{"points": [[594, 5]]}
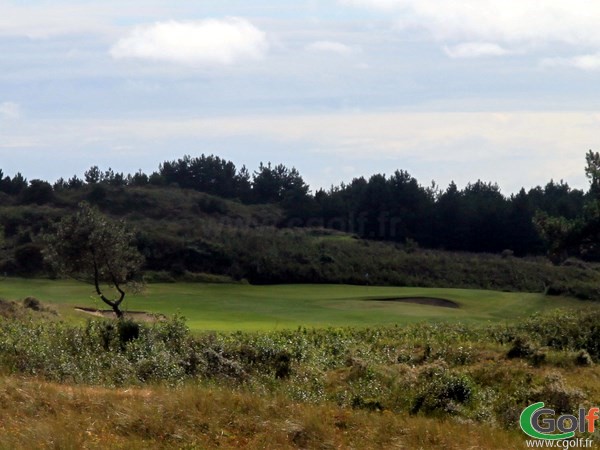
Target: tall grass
{"points": [[39, 415], [444, 371]]}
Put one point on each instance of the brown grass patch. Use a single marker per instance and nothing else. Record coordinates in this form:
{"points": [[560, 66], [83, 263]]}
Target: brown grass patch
{"points": [[43, 415]]}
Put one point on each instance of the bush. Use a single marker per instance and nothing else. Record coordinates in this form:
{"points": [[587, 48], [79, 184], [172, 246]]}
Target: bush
{"points": [[205, 278], [443, 391], [32, 303], [29, 259], [565, 330], [111, 353], [521, 348], [212, 205], [583, 359], [158, 277], [377, 368], [8, 309], [557, 395], [128, 331]]}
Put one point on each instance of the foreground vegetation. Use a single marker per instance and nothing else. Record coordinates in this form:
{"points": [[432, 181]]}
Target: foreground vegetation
{"points": [[374, 387], [41, 415]]}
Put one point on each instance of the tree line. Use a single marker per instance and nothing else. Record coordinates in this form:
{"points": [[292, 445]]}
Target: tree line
{"points": [[476, 218]]}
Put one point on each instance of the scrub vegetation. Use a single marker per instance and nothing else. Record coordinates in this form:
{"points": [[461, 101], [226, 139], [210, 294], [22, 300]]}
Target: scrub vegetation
{"points": [[305, 388]]}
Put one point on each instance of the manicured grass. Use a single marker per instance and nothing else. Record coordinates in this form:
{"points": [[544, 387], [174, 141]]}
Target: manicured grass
{"points": [[244, 307]]}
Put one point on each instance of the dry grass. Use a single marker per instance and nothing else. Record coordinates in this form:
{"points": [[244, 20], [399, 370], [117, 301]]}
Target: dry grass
{"points": [[466, 394], [37, 414]]}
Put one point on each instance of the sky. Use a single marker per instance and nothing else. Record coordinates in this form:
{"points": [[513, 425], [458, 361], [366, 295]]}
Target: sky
{"points": [[448, 90]]}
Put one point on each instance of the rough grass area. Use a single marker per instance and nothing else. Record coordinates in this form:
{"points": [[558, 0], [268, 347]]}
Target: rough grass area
{"points": [[40, 415], [112, 384], [232, 307]]}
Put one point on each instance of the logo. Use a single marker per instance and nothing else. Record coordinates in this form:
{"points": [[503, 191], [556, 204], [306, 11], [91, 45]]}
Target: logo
{"points": [[536, 423]]}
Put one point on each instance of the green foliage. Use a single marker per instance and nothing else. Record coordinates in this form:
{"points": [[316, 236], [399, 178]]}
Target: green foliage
{"points": [[32, 303], [277, 183], [99, 353], [87, 243], [427, 369], [89, 246], [442, 391], [521, 348], [28, 259], [577, 234], [558, 395], [38, 191], [559, 233], [561, 330], [592, 172], [128, 331], [478, 218], [198, 215], [584, 359]]}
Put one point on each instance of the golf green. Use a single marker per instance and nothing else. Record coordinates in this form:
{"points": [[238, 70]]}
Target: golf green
{"points": [[247, 307]]}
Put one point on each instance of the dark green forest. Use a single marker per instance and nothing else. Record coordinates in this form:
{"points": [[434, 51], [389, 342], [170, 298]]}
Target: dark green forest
{"points": [[204, 218]]}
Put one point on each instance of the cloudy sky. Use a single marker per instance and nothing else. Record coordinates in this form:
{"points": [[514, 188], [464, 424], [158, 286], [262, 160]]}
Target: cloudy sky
{"points": [[502, 90]]}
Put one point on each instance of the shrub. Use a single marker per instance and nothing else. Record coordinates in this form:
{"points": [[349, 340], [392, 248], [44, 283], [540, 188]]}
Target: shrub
{"points": [[521, 348], [558, 395], [158, 277], [128, 331], [8, 309], [565, 330], [282, 363], [29, 259], [32, 303], [443, 391], [377, 368], [583, 359]]}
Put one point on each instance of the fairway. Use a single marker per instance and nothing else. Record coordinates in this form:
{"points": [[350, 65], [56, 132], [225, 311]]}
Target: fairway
{"points": [[228, 307]]}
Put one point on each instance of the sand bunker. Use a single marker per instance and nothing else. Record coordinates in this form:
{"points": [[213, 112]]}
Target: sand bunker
{"points": [[431, 301], [142, 316]]}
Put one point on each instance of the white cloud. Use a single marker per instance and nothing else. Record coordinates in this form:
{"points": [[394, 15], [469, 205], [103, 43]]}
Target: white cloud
{"points": [[206, 42], [10, 111], [330, 47], [523, 23], [475, 50], [585, 62]]}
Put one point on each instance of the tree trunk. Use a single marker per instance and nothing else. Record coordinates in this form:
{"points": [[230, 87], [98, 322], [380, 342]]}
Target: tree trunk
{"points": [[117, 310], [114, 304]]}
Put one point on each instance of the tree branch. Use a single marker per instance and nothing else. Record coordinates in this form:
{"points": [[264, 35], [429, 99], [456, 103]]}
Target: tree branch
{"points": [[115, 283]]}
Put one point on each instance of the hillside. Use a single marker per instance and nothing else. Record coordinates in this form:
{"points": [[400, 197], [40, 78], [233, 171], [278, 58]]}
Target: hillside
{"points": [[183, 233]]}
